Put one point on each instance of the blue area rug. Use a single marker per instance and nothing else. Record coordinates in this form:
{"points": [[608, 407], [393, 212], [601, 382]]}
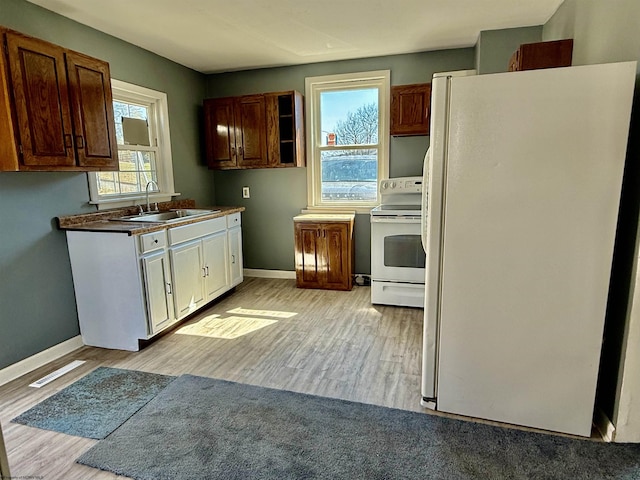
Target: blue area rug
{"points": [[97, 404], [201, 428]]}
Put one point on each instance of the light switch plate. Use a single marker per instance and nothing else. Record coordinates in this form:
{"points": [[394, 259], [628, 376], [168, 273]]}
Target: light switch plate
{"points": [[245, 192]]}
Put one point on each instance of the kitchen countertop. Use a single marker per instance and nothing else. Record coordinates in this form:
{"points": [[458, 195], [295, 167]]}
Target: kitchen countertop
{"points": [[102, 221], [324, 217]]}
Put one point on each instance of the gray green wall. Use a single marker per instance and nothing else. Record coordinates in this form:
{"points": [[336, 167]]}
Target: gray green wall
{"points": [[606, 32], [495, 47], [37, 302], [278, 195]]}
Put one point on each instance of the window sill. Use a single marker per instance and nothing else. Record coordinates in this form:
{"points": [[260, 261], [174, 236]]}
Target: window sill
{"points": [[337, 209], [134, 200]]}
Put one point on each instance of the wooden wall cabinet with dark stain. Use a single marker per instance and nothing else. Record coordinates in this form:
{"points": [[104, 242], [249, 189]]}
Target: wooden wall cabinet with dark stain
{"points": [[410, 109], [532, 56], [285, 129], [235, 132], [57, 106], [255, 131], [324, 251]]}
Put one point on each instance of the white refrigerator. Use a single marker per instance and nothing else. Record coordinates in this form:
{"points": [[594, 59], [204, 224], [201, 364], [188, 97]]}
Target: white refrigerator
{"points": [[524, 173]]}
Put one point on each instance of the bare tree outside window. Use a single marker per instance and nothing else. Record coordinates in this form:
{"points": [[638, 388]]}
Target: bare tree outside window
{"points": [[360, 127]]}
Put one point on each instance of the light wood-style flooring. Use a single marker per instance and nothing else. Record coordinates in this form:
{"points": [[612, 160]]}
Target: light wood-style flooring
{"points": [[268, 333]]}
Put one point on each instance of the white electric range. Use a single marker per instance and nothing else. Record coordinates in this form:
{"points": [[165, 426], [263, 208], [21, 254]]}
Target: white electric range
{"points": [[397, 256]]}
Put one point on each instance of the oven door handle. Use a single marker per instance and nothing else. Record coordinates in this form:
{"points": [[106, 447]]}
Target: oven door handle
{"points": [[395, 219]]}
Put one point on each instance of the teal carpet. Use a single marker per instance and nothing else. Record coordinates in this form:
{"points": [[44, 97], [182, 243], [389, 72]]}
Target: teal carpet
{"points": [[201, 428], [97, 404]]}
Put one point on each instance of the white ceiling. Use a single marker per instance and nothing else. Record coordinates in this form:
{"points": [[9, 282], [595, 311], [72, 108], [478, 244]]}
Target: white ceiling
{"points": [[225, 35]]}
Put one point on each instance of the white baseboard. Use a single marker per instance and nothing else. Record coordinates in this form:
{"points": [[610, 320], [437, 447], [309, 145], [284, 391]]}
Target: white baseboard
{"points": [[29, 364], [604, 426], [255, 272]]}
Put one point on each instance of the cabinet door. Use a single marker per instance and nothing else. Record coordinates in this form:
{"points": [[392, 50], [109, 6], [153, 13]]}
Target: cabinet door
{"points": [[188, 272], [410, 109], [336, 262], [94, 128], [251, 130], [235, 255], [309, 255], [157, 285], [216, 257], [42, 103], [220, 133]]}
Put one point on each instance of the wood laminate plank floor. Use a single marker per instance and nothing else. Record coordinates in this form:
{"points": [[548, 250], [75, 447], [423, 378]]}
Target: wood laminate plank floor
{"points": [[268, 333]]}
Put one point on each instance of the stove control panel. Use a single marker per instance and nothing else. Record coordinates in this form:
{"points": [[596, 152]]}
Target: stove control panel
{"points": [[401, 185]]}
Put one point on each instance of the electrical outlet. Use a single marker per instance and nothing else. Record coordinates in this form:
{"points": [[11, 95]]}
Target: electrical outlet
{"points": [[245, 192]]}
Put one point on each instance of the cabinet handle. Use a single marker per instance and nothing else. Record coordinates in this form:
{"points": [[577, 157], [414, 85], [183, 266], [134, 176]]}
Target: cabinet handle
{"points": [[207, 268], [233, 152], [240, 151], [68, 143], [169, 291], [233, 258], [80, 141], [204, 272]]}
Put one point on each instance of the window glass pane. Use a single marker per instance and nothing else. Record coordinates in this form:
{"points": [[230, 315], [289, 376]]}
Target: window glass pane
{"points": [[108, 183], [349, 174], [137, 168], [349, 117], [124, 109]]}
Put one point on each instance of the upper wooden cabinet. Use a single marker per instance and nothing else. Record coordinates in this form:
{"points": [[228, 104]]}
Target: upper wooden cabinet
{"points": [[532, 56], [254, 131], [58, 106], [285, 129], [235, 132], [410, 109]]}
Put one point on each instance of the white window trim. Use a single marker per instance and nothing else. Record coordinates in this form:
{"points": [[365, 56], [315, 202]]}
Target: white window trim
{"points": [[314, 85], [135, 93]]}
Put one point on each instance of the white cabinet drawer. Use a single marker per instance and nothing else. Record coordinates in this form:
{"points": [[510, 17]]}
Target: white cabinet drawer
{"points": [[196, 230], [152, 241], [233, 220]]}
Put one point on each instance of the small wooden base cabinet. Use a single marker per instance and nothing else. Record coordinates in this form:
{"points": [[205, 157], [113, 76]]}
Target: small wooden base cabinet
{"points": [[324, 251], [130, 288]]}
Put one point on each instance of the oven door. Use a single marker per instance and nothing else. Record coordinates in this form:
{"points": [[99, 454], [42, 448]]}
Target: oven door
{"points": [[396, 249]]}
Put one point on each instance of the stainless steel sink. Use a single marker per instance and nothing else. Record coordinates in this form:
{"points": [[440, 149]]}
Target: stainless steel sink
{"points": [[166, 217]]}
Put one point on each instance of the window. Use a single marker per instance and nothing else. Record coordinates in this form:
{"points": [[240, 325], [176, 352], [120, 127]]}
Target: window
{"points": [[347, 138], [144, 150]]}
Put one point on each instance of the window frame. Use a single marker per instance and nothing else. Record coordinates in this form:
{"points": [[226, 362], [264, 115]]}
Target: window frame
{"points": [[158, 120], [314, 86]]}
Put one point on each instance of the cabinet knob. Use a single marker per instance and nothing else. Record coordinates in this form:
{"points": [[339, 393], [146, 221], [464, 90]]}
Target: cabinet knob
{"points": [[155, 240]]}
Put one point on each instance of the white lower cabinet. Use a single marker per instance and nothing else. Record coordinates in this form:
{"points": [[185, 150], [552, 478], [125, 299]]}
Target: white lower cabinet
{"points": [[235, 254], [216, 265], [158, 291], [129, 288], [186, 269], [199, 265]]}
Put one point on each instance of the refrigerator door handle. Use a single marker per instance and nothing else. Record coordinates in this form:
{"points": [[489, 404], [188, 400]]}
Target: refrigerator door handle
{"points": [[425, 183]]}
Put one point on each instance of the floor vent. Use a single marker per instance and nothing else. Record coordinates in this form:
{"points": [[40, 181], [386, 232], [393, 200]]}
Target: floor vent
{"points": [[57, 374]]}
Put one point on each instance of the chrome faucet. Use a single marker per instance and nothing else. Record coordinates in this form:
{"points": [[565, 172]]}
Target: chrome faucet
{"points": [[147, 191]]}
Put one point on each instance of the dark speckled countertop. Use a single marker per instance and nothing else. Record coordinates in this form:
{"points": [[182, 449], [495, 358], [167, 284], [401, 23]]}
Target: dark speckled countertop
{"points": [[103, 221]]}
